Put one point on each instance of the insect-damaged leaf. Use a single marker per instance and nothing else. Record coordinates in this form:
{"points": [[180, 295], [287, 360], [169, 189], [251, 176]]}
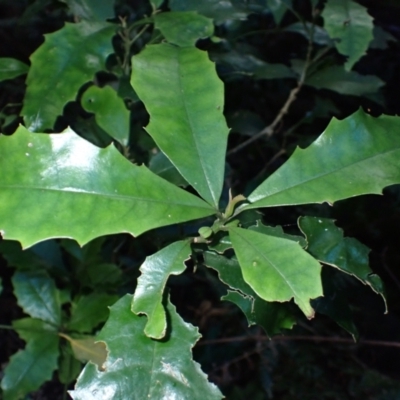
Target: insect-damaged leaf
{"points": [[149, 368]]}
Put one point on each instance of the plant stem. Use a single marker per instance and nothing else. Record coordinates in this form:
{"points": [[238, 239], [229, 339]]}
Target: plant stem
{"points": [[268, 131], [327, 339]]}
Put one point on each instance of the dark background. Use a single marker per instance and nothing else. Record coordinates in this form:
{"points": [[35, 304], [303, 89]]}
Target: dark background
{"points": [[317, 359]]}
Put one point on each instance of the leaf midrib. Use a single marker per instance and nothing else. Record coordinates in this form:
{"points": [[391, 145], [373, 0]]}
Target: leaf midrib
{"points": [[315, 177], [196, 145], [109, 195], [272, 264]]}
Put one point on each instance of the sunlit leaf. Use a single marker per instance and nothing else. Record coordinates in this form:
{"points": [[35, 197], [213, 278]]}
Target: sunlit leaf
{"points": [[28, 369], [45, 179], [110, 111], [327, 243], [352, 26], [65, 61], [150, 288], [193, 94], [277, 269], [183, 28], [37, 294], [11, 68], [150, 369], [330, 170]]}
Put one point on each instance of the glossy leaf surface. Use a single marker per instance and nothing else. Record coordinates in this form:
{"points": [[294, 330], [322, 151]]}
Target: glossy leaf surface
{"points": [[91, 10], [350, 23], [277, 269], [339, 80], [110, 111], [148, 368], [38, 296], [150, 288], [327, 243], [272, 317], [28, 369], [183, 28], [11, 68], [330, 170], [65, 61], [64, 173], [193, 95], [89, 311]]}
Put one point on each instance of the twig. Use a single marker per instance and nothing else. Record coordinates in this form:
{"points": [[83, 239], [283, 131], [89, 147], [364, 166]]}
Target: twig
{"points": [[268, 131], [332, 339]]}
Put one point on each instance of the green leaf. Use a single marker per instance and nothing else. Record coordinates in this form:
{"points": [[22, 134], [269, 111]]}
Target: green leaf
{"points": [[277, 231], [277, 269], [16, 257], [327, 244], [110, 112], [91, 10], [330, 170], [156, 3], [219, 10], [89, 311], [320, 35], [273, 71], [335, 304], [248, 64], [65, 61], [183, 28], [162, 166], [28, 369], [150, 288], [278, 8], [193, 94], [68, 366], [339, 80], [381, 38], [220, 242], [38, 296], [11, 68], [272, 317], [111, 194], [150, 369], [229, 272], [350, 23]]}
